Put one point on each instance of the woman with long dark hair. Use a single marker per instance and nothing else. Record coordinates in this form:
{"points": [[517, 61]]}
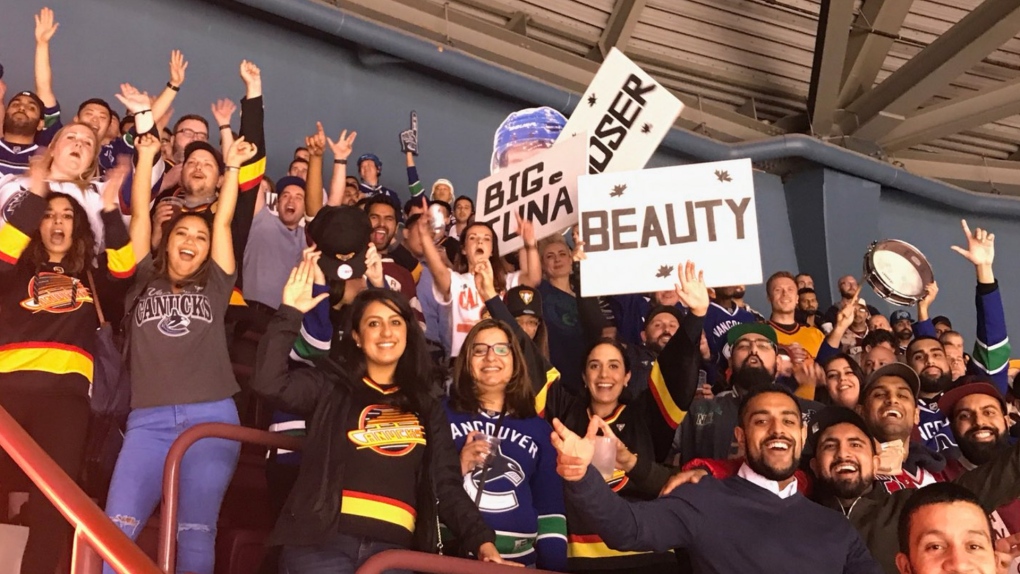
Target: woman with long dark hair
{"points": [[644, 425], [843, 378], [455, 289], [379, 469], [49, 292], [506, 458], [180, 368]]}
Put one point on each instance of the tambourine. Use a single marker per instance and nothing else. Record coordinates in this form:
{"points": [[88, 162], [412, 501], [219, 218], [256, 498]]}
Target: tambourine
{"points": [[897, 271]]}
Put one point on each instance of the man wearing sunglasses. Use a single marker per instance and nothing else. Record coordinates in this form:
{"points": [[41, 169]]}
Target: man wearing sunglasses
{"points": [[707, 430]]}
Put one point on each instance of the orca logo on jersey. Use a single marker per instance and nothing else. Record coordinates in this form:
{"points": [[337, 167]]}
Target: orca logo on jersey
{"points": [[387, 431], [53, 291], [502, 466], [12, 204]]}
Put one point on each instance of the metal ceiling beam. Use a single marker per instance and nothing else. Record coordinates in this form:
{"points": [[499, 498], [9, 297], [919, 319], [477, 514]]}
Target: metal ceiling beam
{"points": [[987, 175], [984, 29], [619, 28], [826, 69], [874, 30], [955, 116]]}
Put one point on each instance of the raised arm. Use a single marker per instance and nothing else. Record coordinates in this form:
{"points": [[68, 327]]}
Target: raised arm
{"points": [[991, 349], [531, 264], [45, 28], [120, 254], [252, 128], [433, 259], [342, 148], [161, 105], [316, 144], [140, 229], [222, 251], [25, 217], [222, 111], [413, 180]]}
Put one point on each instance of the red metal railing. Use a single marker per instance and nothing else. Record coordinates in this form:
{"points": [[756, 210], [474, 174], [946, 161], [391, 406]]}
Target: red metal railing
{"points": [[93, 528], [434, 563], [167, 556]]}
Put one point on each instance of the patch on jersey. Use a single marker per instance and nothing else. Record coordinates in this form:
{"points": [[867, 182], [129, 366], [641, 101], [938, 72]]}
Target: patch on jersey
{"points": [[174, 311], [502, 466], [12, 203], [52, 292], [618, 480], [387, 431]]}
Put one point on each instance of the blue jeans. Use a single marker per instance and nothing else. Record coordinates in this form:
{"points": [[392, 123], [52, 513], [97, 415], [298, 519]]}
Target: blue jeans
{"points": [[208, 466], [341, 554]]}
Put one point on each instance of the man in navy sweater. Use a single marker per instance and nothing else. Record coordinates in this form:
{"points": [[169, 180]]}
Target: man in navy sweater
{"points": [[753, 522]]}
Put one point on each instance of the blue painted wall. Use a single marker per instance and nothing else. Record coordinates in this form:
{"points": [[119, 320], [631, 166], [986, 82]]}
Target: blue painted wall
{"points": [[104, 42]]}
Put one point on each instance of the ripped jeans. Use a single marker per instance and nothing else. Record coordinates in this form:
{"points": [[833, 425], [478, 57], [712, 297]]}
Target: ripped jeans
{"points": [[206, 471]]}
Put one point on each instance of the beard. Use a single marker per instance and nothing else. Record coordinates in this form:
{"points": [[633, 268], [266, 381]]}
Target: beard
{"points": [[20, 125], [845, 489], [748, 378], [938, 384], [757, 463], [981, 452]]}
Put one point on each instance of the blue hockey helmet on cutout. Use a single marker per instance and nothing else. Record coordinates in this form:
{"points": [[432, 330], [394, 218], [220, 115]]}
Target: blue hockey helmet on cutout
{"points": [[528, 129]]}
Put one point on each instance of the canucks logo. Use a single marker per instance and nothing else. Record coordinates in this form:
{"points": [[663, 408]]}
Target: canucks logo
{"points": [[174, 325], [12, 204], [387, 431], [618, 480], [51, 292], [502, 467]]}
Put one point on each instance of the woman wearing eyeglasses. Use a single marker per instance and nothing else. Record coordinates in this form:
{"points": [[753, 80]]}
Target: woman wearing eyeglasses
{"points": [[379, 469], [506, 458], [644, 425]]}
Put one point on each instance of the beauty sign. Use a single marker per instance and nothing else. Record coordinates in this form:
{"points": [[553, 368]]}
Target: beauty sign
{"points": [[637, 226], [542, 189], [626, 113]]}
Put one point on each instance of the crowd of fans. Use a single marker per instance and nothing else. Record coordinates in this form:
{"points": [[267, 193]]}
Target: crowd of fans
{"points": [[458, 400]]}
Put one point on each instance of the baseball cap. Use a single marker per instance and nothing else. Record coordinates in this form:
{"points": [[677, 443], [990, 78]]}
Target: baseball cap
{"points": [[892, 370], [942, 320], [900, 316], [523, 300], [200, 145], [734, 334], [969, 385], [289, 180], [342, 233], [660, 309], [829, 417], [38, 101]]}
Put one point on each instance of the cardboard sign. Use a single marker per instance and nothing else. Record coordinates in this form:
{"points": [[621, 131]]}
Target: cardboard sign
{"points": [[638, 227], [626, 114], [542, 189]]}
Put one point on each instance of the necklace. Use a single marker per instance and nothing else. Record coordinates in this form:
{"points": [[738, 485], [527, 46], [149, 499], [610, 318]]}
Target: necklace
{"points": [[847, 512]]}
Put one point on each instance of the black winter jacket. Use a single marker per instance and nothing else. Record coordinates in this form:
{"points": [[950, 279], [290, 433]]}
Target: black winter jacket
{"points": [[321, 395]]}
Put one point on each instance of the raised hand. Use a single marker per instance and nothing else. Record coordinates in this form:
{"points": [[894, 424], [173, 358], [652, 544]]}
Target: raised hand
{"points": [[319, 276], [374, 267], [808, 373], [409, 137], [573, 453], [114, 180], [134, 100], [252, 77], [343, 146], [316, 143], [297, 292], [526, 230], [931, 291], [483, 280], [980, 245], [846, 314], [691, 289], [38, 173], [240, 151], [223, 110], [45, 27], [148, 146], [578, 253], [178, 65]]}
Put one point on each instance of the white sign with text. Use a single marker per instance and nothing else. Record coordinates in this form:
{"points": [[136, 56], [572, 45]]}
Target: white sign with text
{"points": [[542, 189], [626, 114], [640, 226]]}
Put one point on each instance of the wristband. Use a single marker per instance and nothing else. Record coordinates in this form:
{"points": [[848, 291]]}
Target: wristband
{"points": [[340, 161], [142, 112], [173, 87], [233, 168], [224, 127]]}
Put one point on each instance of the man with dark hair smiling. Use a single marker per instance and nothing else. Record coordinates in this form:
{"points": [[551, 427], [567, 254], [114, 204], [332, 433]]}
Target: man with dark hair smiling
{"points": [[943, 529], [717, 520]]}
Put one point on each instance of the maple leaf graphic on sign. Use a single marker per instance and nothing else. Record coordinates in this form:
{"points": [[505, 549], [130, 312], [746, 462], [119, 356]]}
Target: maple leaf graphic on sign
{"points": [[592, 100], [618, 190], [723, 175], [646, 128], [664, 271]]}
